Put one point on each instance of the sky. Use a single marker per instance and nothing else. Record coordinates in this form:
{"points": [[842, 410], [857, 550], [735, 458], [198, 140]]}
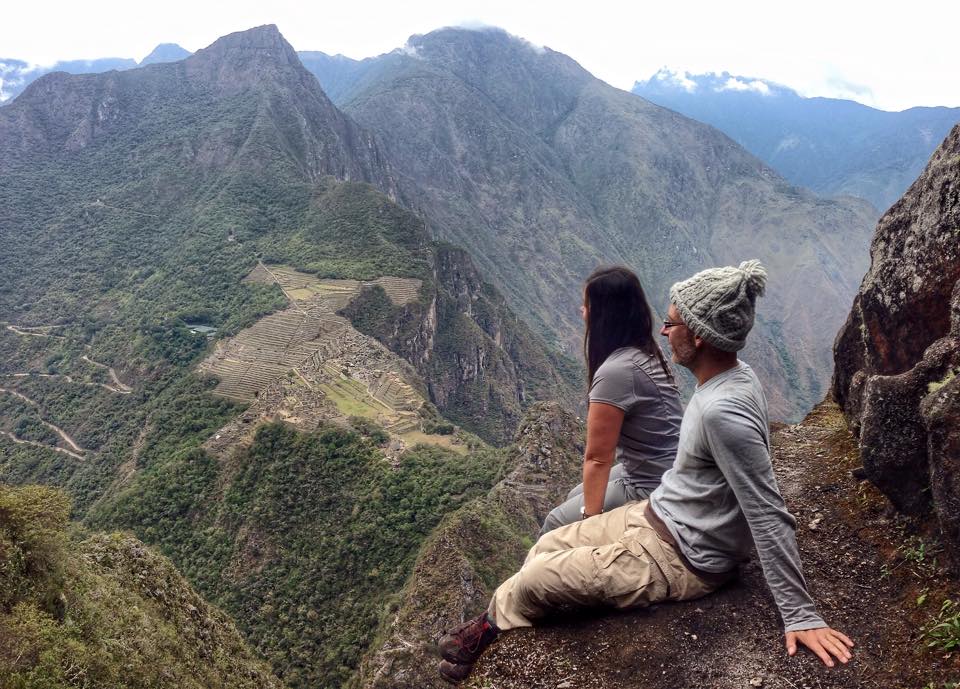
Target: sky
{"points": [[887, 55]]}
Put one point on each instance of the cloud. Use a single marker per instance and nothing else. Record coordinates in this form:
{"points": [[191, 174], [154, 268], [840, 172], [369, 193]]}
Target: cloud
{"points": [[675, 78], [12, 75], [409, 50], [478, 25], [737, 84], [849, 89], [787, 143]]}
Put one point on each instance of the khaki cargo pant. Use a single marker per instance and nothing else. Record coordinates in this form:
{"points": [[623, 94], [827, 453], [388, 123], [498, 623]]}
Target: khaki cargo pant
{"points": [[613, 559]]}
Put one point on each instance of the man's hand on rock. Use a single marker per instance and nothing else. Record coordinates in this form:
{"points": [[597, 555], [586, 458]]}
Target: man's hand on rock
{"points": [[825, 642]]}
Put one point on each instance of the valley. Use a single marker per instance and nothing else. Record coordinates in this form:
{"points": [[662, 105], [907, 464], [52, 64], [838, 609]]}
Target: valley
{"points": [[311, 368]]}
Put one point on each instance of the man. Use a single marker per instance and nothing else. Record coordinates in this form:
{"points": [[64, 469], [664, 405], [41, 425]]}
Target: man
{"points": [[698, 526]]}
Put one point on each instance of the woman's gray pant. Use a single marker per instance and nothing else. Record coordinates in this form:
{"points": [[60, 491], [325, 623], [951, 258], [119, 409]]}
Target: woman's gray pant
{"points": [[618, 493]]}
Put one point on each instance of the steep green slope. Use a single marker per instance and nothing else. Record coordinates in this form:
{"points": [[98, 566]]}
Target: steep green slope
{"points": [[474, 549], [99, 610], [135, 205], [542, 171], [303, 538]]}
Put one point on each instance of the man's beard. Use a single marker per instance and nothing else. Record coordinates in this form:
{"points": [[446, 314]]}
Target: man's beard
{"points": [[685, 352]]}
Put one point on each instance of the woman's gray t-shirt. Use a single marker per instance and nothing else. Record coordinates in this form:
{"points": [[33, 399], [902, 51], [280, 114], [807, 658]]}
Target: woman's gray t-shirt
{"points": [[634, 381]]}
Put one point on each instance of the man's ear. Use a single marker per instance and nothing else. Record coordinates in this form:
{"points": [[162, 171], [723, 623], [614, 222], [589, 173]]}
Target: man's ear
{"points": [[699, 342]]}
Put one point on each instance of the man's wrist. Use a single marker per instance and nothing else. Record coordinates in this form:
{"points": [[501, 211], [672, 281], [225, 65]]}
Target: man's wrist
{"points": [[584, 514]]}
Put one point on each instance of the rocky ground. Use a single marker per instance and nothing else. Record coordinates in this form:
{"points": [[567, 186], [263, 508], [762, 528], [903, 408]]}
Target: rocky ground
{"points": [[874, 575]]}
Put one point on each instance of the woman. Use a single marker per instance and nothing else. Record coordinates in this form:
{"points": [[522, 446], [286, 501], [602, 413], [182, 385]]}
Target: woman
{"points": [[634, 413]]}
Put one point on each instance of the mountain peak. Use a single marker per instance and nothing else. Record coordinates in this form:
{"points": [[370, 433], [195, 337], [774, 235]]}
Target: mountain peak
{"points": [[259, 43], [247, 59], [471, 35], [165, 52]]}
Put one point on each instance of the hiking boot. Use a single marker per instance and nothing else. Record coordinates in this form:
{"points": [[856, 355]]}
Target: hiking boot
{"points": [[464, 644], [454, 672]]}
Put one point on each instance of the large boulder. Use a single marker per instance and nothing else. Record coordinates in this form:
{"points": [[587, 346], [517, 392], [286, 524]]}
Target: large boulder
{"points": [[898, 353], [941, 419]]}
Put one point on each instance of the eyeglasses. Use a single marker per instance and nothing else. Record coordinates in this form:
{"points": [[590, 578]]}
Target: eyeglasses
{"points": [[671, 324]]}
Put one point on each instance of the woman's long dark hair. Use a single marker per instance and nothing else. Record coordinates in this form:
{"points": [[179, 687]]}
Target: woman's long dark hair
{"points": [[618, 315]]}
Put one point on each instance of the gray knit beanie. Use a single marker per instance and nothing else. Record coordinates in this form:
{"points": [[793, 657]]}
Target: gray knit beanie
{"points": [[717, 303]]}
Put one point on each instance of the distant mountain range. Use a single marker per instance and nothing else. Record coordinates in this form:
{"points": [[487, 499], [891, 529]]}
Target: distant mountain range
{"points": [[543, 172], [16, 75], [831, 146], [828, 145]]}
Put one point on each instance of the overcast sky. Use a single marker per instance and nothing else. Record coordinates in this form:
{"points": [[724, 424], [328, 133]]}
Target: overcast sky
{"points": [[888, 55]]}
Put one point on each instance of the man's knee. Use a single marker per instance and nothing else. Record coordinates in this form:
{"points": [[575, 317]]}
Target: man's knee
{"points": [[532, 581], [552, 521]]}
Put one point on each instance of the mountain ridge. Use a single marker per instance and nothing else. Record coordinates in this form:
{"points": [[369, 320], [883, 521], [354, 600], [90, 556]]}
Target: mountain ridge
{"points": [[829, 145], [543, 172]]}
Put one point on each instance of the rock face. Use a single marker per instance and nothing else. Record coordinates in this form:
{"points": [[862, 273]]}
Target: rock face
{"points": [[255, 71], [474, 549], [482, 365], [899, 352]]}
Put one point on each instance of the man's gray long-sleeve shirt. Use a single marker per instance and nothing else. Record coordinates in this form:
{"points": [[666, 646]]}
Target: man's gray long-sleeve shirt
{"points": [[721, 496]]}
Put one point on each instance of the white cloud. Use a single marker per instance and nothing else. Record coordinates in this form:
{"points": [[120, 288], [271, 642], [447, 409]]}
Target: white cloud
{"points": [[787, 143], [477, 25], [735, 84], [409, 50], [678, 78], [12, 74]]}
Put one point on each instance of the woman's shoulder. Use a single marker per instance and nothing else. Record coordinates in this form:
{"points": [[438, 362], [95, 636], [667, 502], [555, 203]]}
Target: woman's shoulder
{"points": [[623, 360], [650, 373]]}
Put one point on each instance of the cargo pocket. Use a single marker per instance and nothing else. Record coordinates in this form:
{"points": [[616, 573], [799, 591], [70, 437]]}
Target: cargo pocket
{"points": [[626, 579]]}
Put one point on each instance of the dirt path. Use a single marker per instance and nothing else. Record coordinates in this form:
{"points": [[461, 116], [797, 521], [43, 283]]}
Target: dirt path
{"points": [[732, 639], [121, 387], [101, 204], [69, 379], [20, 330], [56, 429], [20, 441]]}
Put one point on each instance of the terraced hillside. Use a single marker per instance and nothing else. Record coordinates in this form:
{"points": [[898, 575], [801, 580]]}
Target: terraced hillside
{"points": [[307, 364]]}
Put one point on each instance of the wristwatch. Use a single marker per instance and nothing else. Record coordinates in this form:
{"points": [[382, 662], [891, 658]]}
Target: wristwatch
{"points": [[583, 512]]}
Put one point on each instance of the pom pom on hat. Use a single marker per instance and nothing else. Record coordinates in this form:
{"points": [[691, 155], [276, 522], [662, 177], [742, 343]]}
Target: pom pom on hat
{"points": [[756, 277]]}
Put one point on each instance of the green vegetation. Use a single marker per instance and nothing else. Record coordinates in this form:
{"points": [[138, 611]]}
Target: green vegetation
{"points": [[311, 533], [351, 231], [918, 556], [121, 233], [942, 633], [97, 610]]}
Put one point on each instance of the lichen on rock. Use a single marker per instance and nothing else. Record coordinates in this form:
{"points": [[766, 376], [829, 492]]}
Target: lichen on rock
{"points": [[900, 348]]}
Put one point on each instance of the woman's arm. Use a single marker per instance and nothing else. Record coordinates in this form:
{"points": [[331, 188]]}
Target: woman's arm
{"points": [[603, 434]]}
